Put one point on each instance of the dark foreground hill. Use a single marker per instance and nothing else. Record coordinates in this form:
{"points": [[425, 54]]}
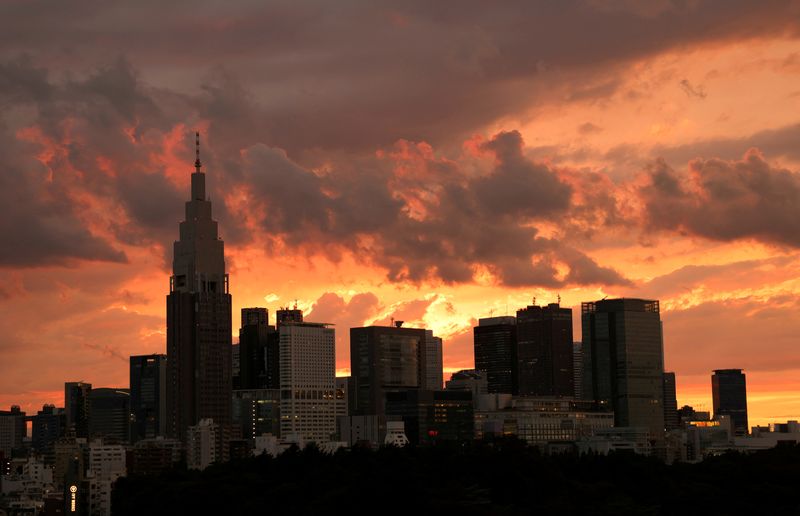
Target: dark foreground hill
{"points": [[504, 478]]}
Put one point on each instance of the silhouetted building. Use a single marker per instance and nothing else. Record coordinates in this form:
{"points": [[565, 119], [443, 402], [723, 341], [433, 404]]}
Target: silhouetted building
{"points": [[257, 411], [471, 380], [433, 416], [623, 353], [46, 427], [308, 369], [154, 456], [544, 351], [288, 315], [577, 369], [495, 344], [389, 358], [110, 414], [258, 351], [148, 396], [76, 407], [729, 392], [548, 422], [12, 430], [434, 366], [199, 368], [671, 421]]}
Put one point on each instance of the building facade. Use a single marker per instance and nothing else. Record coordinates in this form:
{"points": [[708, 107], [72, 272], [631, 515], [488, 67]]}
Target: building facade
{"points": [[390, 358], [76, 407], [432, 416], [258, 351], [257, 411], [307, 371], [110, 414], [671, 421], [199, 372], [495, 346], [623, 357], [148, 377], [544, 351], [729, 393]]}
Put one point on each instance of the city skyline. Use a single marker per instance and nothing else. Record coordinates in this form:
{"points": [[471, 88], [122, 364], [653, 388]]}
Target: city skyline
{"points": [[439, 182]]}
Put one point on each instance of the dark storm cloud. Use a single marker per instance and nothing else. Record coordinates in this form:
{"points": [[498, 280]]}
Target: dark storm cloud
{"points": [[39, 223], [726, 200], [469, 222], [359, 75]]}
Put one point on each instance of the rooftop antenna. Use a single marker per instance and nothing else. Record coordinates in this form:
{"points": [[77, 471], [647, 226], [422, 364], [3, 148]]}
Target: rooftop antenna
{"points": [[559, 299], [197, 163], [295, 304], [534, 300]]}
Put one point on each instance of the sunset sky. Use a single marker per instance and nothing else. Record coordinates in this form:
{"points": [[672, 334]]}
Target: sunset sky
{"points": [[435, 162]]}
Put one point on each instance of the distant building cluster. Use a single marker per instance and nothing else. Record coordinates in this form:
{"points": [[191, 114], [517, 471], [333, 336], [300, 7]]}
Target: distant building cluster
{"points": [[207, 400]]}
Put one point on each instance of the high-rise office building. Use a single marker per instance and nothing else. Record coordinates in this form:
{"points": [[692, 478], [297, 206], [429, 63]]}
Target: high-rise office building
{"points": [[148, 376], [12, 430], [76, 407], [544, 351], [434, 365], [495, 344], [623, 353], [577, 369], [258, 351], [670, 403], [729, 392], [389, 358], [110, 414], [199, 379], [257, 412], [286, 315], [46, 427], [433, 416], [307, 371]]}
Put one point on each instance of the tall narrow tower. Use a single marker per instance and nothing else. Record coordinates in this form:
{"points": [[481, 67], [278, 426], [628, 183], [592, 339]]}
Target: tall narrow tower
{"points": [[198, 320]]}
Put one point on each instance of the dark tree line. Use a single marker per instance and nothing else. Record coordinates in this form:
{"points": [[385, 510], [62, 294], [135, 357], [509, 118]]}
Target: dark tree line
{"points": [[498, 478]]}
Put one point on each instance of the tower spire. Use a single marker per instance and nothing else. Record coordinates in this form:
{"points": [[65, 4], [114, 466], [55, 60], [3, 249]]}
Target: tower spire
{"points": [[197, 164]]}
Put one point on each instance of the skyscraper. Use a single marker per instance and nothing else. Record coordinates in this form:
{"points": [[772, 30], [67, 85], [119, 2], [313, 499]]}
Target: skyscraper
{"points": [[258, 351], [389, 358], [670, 403], [110, 414], [577, 369], [729, 392], [434, 366], [544, 351], [308, 370], [148, 396], [12, 430], [623, 353], [198, 320], [76, 407], [495, 344]]}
